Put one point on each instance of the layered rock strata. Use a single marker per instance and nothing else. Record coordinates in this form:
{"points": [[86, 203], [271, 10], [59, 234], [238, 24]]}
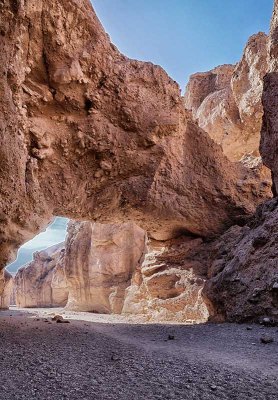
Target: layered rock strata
{"points": [[169, 284], [226, 101], [42, 282]]}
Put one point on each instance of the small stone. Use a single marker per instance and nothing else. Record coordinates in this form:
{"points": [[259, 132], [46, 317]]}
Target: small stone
{"points": [[171, 337], [106, 165], [60, 320], [268, 322], [266, 339]]}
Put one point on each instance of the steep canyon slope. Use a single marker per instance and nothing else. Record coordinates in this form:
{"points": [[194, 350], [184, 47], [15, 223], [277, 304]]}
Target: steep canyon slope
{"points": [[227, 101], [244, 276]]}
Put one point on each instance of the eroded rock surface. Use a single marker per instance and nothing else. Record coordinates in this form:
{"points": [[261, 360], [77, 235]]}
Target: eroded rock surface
{"points": [[226, 101], [87, 133], [115, 269], [269, 138], [169, 284], [6, 287], [243, 277], [100, 261], [42, 282], [243, 284]]}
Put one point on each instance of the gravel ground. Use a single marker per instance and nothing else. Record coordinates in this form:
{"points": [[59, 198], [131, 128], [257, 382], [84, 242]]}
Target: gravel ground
{"points": [[105, 358]]}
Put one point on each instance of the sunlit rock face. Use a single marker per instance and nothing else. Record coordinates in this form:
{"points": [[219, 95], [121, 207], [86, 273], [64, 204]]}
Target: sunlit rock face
{"points": [[226, 101], [169, 284], [100, 261], [87, 133], [6, 287], [113, 268], [42, 282]]}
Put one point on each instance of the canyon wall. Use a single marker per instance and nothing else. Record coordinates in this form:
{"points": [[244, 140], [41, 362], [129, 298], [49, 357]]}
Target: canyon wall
{"points": [[243, 282], [42, 282], [269, 137], [169, 284], [100, 261], [226, 101], [114, 269], [6, 287], [243, 276], [89, 134]]}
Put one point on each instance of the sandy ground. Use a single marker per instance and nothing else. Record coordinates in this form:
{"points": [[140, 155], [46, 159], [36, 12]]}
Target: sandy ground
{"points": [[105, 358]]}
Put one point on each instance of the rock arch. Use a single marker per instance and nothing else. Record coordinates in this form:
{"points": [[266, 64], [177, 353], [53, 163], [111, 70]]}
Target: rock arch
{"points": [[87, 133]]}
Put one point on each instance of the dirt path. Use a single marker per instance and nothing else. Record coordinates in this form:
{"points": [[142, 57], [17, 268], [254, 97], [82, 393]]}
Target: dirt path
{"points": [[103, 358]]}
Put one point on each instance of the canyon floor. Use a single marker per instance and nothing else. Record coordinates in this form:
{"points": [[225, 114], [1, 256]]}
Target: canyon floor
{"points": [[107, 357]]}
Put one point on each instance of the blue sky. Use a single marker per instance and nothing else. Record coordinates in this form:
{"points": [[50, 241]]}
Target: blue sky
{"points": [[55, 233], [183, 36]]}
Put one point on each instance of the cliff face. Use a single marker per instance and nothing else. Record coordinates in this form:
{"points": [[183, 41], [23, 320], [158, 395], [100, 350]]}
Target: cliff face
{"points": [[114, 269], [269, 137], [6, 287], [226, 101], [42, 283], [244, 275], [169, 284], [89, 134], [100, 261]]}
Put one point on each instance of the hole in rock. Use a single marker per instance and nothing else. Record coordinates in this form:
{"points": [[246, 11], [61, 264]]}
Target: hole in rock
{"points": [[92, 269], [55, 233], [88, 104], [48, 242]]}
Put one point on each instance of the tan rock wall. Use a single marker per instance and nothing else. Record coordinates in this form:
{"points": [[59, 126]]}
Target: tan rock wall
{"points": [[226, 101], [42, 283], [100, 261], [111, 269], [169, 284], [6, 287], [89, 134]]}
